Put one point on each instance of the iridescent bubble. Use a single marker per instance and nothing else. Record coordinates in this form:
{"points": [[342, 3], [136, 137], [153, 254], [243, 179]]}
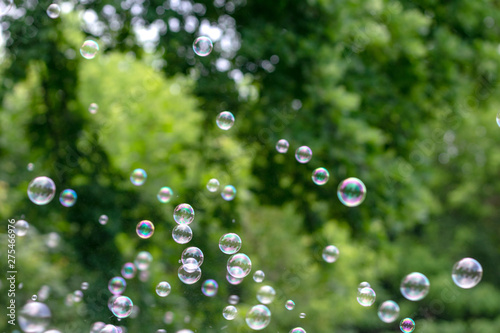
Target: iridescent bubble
{"points": [[111, 300], [297, 330], [498, 119], [77, 296], [233, 299], [67, 197], [303, 154], [388, 311], [128, 270], [21, 228], [189, 277], [34, 317], [330, 254], [163, 289], [282, 146], [202, 46], [467, 273], [320, 176], [239, 265], [225, 120], [184, 214], [5, 6], [30, 167], [407, 325], [117, 285], [362, 285], [351, 192], [190, 265], [258, 317], [84, 286], [366, 296], [165, 194], [259, 276], [109, 329], [41, 190], [53, 11], [143, 260], [266, 294], [233, 280], [182, 233], [89, 49], [230, 243], [97, 327], [138, 177], [213, 185], [228, 193], [415, 286], [289, 305], [93, 108], [34, 298], [209, 288], [230, 312], [302, 315], [192, 252], [103, 219], [145, 229]]}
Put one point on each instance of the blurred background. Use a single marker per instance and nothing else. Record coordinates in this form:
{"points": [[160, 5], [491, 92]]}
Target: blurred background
{"points": [[400, 94]]}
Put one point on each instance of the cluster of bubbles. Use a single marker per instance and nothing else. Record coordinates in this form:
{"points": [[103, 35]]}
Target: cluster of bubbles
{"points": [[89, 49], [202, 46]]}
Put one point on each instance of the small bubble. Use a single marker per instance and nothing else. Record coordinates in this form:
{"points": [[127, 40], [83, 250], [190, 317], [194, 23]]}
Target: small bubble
{"points": [[302, 315], [128, 270], [163, 289], [30, 167], [415, 286], [225, 120], [209, 288], [21, 228], [53, 11], [77, 296], [330, 254], [259, 276], [213, 185], [138, 177], [143, 260], [407, 325], [93, 108], [117, 285], [84, 286], [366, 296], [362, 285], [297, 330], [202, 46], [351, 192], [290, 305], [320, 176], [68, 198], [145, 229], [303, 154], [89, 49], [229, 312], [165, 194], [103, 219], [41, 190], [34, 298], [230, 243], [467, 273], [233, 299], [228, 193], [282, 146]]}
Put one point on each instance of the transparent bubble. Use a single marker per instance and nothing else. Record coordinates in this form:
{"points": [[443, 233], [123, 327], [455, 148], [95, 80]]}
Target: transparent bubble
{"points": [[128, 270], [182, 233], [97, 327], [67, 198], [53, 11], [77, 296], [302, 315], [258, 317], [103, 219], [289, 305], [93, 108], [184, 214], [233, 280], [297, 330], [163, 289], [266, 294], [303, 154], [30, 167], [213, 185], [34, 298], [41, 190], [189, 277], [362, 285], [145, 229], [259, 276], [5, 6], [165, 194], [230, 243], [330, 254], [209, 288], [117, 285], [320, 176], [143, 260], [192, 252], [21, 228], [138, 177], [239, 265], [190, 265], [53, 239], [89, 49], [111, 301], [388, 311], [230, 312], [415, 286], [225, 120], [233, 299], [228, 193], [84, 286], [351, 192], [109, 329], [202, 46], [282, 146], [366, 296], [467, 273], [407, 325], [34, 317]]}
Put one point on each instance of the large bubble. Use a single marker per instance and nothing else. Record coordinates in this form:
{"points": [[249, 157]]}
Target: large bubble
{"points": [[184, 214], [122, 307], [182, 234], [202, 46], [266, 294], [89, 49], [258, 317], [467, 273], [34, 317], [351, 192], [415, 286], [41, 190], [239, 265]]}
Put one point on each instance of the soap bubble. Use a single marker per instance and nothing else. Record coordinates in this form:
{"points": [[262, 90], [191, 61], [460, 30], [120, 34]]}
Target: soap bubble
{"points": [[138, 177], [239, 265], [182, 234], [41, 190], [53, 11], [190, 264], [259, 276], [258, 317], [109, 329], [213, 185], [34, 317], [407, 325], [165, 194], [467, 273], [143, 260], [189, 277], [128, 270], [320, 176], [21, 228], [202, 46], [233, 280], [302, 315], [225, 120], [351, 192], [163, 289], [330, 254], [93, 108], [363, 285], [228, 193], [282, 146], [103, 219], [67, 198], [230, 243], [303, 154], [192, 252], [5, 6], [415, 286], [388, 311], [297, 330], [229, 312], [77, 295], [366, 296], [184, 214], [30, 166], [209, 288], [84, 285], [145, 229], [117, 285], [89, 49], [97, 327], [34, 298], [266, 294], [290, 305], [233, 299]]}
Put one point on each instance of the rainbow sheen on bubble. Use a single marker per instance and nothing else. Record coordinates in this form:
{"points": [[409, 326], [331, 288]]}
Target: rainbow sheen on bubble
{"points": [[282, 146], [128, 270], [117, 285], [209, 288], [41, 190], [498, 119], [320, 176], [303, 154], [192, 252], [233, 280], [89, 49], [266, 294], [165, 194], [143, 260], [330, 254], [203, 46], [259, 276], [366, 296], [122, 307], [189, 277], [415, 286], [103, 219], [388, 311], [225, 120], [289, 305], [258, 317], [138, 177], [53, 11], [230, 312], [68, 198], [34, 317], [351, 192], [93, 108], [467, 273], [163, 289], [228, 193], [407, 325], [230, 243], [184, 214], [182, 234], [239, 265], [297, 330], [213, 185], [21, 228], [145, 229]]}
